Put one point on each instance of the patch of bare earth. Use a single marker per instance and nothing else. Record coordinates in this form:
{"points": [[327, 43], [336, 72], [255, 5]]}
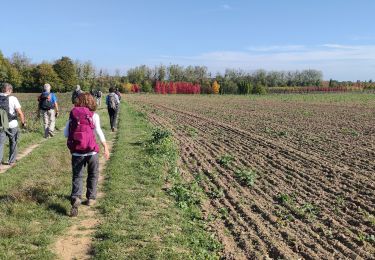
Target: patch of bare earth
{"points": [[76, 243]]}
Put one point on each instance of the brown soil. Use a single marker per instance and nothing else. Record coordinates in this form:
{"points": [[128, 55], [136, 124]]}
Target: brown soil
{"points": [[76, 242], [314, 195]]}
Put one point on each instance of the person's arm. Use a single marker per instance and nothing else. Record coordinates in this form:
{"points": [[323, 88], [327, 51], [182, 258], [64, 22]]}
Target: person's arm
{"points": [[66, 129], [99, 132], [22, 116], [56, 109], [56, 105], [18, 110]]}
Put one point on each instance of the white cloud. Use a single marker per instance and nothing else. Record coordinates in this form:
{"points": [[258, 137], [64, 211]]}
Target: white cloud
{"points": [[342, 62]]}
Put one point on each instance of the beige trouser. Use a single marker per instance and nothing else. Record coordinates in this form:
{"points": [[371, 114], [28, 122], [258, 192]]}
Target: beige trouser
{"points": [[49, 120]]}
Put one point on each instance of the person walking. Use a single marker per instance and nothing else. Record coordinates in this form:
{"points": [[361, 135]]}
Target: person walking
{"points": [[80, 130], [112, 101], [76, 93], [99, 95], [49, 109], [10, 109]]}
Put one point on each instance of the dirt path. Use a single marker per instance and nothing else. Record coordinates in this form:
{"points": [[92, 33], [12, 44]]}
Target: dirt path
{"points": [[21, 155], [76, 243]]}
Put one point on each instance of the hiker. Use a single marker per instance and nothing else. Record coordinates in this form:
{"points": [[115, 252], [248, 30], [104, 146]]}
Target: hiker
{"points": [[99, 95], [112, 101], [49, 109], [80, 130], [118, 93], [9, 109], [76, 93]]}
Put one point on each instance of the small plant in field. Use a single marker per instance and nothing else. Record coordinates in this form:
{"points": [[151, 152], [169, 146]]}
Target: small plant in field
{"points": [[366, 238], [216, 193], [183, 195], [284, 199], [246, 176], [368, 217], [282, 133], [225, 160], [192, 132], [224, 212], [349, 131], [160, 134]]}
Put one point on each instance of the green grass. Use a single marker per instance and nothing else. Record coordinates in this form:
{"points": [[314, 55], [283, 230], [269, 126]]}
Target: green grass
{"points": [[148, 211]]}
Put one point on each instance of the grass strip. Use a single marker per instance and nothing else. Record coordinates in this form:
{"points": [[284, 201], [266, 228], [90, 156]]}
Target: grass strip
{"points": [[141, 219]]}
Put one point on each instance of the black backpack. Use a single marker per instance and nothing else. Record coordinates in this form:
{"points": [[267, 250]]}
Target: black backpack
{"points": [[45, 101]]}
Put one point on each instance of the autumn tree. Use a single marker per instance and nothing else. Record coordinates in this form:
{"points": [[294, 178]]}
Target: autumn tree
{"points": [[215, 87]]}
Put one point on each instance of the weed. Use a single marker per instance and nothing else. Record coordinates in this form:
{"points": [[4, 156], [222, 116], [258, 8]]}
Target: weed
{"points": [[225, 160], [216, 193], [192, 132], [224, 212], [284, 199], [159, 134], [246, 176], [349, 131]]}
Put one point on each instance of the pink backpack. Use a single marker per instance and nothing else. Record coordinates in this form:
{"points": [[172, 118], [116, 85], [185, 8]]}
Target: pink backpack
{"points": [[81, 137]]}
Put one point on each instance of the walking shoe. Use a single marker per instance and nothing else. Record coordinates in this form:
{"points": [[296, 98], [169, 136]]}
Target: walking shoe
{"points": [[90, 202], [75, 205], [51, 134]]}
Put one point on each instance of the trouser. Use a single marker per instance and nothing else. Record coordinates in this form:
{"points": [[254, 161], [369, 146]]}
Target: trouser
{"points": [[49, 120], [113, 117], [79, 163], [13, 136], [99, 101]]}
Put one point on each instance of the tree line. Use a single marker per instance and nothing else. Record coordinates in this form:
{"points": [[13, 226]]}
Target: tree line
{"points": [[64, 74]]}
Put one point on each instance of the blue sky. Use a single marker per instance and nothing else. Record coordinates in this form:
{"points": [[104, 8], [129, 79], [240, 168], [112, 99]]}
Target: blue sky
{"points": [[337, 37]]}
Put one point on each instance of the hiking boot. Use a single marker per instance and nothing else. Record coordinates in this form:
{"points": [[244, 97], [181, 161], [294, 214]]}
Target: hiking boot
{"points": [[75, 204], [51, 134], [90, 202], [74, 212]]}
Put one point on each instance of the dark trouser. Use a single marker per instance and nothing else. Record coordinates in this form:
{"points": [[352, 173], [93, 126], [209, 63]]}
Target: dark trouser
{"points": [[112, 117], [78, 165], [13, 136]]}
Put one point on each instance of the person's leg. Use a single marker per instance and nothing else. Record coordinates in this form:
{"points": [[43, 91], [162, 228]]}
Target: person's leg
{"points": [[52, 120], [78, 165], [45, 122], [13, 140], [92, 176], [115, 118], [111, 117], [2, 144]]}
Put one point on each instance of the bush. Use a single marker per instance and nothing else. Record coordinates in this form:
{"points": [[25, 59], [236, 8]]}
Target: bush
{"points": [[146, 86], [259, 89]]}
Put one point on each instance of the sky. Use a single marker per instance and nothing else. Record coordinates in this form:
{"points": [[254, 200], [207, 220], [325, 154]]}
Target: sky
{"points": [[334, 36]]}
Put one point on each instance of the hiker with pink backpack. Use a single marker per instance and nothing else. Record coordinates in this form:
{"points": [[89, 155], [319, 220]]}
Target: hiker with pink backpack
{"points": [[80, 130]]}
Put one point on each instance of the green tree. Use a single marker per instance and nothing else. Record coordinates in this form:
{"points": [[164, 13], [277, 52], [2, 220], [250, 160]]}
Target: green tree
{"points": [[66, 71], [44, 73]]}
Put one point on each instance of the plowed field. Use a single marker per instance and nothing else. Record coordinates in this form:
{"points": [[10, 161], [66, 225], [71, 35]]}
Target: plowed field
{"points": [[286, 176]]}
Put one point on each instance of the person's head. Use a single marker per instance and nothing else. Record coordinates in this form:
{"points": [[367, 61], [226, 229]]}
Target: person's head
{"points": [[47, 87], [86, 100], [78, 88], [111, 89], [6, 88]]}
